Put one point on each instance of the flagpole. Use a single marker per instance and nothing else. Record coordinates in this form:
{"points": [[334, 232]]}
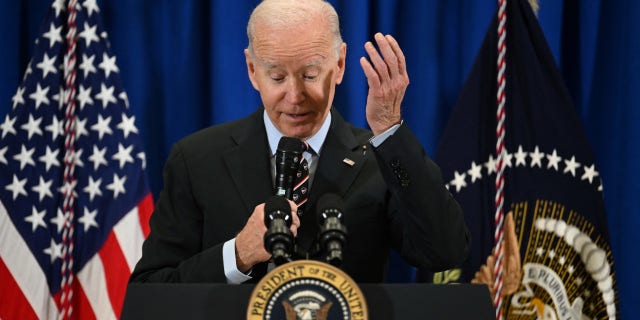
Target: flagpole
{"points": [[69, 162], [500, 151]]}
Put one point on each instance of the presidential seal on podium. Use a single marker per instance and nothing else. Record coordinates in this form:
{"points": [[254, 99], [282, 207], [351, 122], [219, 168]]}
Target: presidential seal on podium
{"points": [[306, 290]]}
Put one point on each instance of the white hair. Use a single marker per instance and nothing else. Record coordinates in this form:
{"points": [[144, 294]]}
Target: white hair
{"points": [[286, 13]]}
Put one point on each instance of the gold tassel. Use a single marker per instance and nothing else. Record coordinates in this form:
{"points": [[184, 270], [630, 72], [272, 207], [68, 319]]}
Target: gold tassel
{"points": [[535, 6]]}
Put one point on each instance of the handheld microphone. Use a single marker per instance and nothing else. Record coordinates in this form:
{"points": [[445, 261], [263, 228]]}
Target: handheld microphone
{"points": [[288, 157], [333, 234], [278, 240]]}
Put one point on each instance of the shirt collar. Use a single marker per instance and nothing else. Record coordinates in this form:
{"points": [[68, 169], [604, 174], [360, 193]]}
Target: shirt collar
{"points": [[315, 142]]}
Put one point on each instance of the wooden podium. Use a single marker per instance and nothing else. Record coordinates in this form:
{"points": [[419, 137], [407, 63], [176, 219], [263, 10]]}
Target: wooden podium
{"points": [[385, 301]]}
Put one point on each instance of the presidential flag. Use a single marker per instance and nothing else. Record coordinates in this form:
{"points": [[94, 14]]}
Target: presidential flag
{"points": [[551, 181], [74, 200]]}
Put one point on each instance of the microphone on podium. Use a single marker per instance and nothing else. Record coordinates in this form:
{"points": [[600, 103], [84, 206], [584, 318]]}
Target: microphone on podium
{"points": [[278, 240], [288, 157], [333, 234]]}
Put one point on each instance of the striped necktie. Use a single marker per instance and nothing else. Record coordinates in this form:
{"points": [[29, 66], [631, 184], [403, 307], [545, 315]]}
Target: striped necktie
{"points": [[300, 193]]}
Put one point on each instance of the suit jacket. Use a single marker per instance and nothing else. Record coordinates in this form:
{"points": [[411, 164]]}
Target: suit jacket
{"points": [[393, 196]]}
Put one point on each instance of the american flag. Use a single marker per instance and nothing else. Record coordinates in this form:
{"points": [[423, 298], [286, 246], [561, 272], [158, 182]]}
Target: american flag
{"points": [[70, 261]]}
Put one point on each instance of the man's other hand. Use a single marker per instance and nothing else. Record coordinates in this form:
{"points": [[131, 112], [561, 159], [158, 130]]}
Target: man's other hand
{"points": [[250, 241]]}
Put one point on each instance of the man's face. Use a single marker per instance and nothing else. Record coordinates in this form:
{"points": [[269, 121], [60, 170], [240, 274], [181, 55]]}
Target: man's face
{"points": [[296, 71]]}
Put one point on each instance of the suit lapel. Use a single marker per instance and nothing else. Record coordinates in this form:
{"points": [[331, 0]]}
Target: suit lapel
{"points": [[334, 174], [249, 163]]}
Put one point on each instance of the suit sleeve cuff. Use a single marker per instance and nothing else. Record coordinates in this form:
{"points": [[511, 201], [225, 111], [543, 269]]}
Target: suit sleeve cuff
{"points": [[376, 141], [231, 272]]}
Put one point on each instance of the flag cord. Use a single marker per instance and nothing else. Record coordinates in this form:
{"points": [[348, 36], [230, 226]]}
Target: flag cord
{"points": [[69, 183], [500, 152]]}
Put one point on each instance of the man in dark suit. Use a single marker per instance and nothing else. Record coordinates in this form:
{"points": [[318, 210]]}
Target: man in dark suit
{"points": [[208, 224]]}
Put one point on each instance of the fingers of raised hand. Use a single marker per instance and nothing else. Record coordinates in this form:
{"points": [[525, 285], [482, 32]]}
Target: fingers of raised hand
{"points": [[389, 54], [381, 67], [391, 66], [372, 76], [401, 61]]}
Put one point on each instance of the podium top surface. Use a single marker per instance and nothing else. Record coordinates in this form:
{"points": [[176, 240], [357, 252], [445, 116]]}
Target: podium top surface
{"points": [[385, 301]]}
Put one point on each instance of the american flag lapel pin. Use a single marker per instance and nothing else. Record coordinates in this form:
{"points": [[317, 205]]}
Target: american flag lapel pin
{"points": [[349, 162]]}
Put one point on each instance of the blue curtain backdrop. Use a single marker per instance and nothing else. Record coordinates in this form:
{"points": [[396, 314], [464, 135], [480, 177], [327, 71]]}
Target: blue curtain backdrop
{"points": [[183, 67]]}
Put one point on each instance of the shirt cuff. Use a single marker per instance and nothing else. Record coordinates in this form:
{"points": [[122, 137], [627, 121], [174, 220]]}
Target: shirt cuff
{"points": [[376, 141], [231, 272]]}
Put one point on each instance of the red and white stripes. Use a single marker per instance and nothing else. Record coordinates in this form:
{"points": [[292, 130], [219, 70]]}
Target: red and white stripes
{"points": [[500, 152], [69, 180], [99, 287]]}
